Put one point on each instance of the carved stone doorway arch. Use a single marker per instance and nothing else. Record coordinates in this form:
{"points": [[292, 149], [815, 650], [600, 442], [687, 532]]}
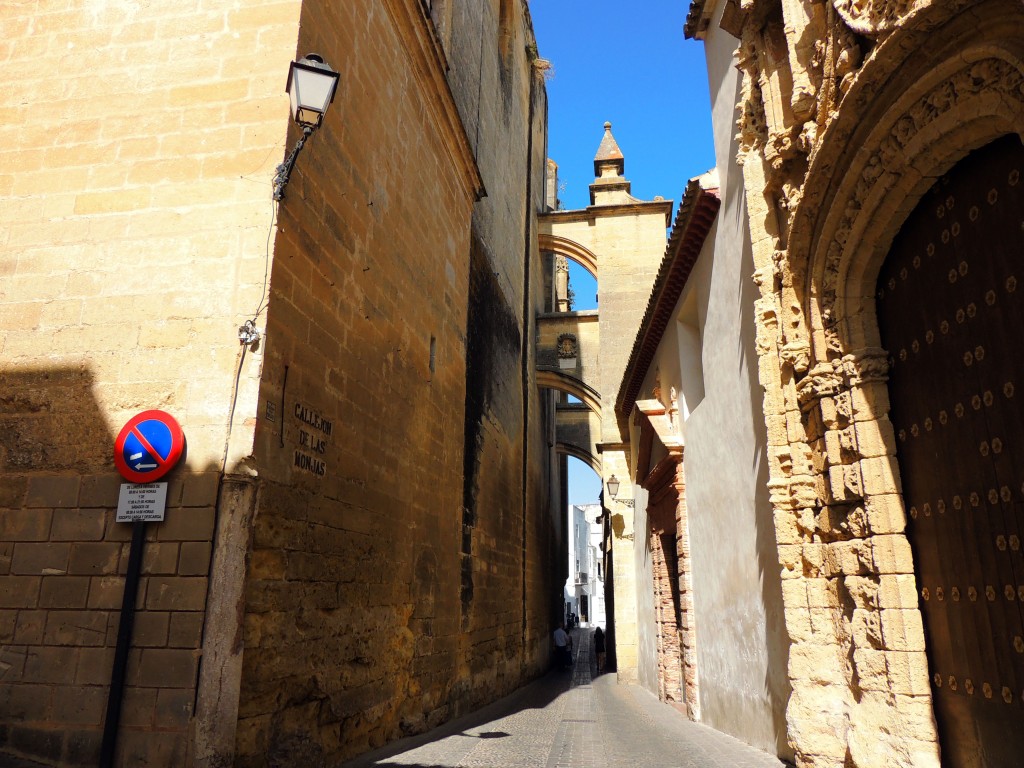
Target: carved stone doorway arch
{"points": [[944, 81]]}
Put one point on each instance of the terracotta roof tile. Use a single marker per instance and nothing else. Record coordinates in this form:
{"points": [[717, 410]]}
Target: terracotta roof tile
{"points": [[693, 222]]}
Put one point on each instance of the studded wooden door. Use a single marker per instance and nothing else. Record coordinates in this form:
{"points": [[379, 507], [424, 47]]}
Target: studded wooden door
{"points": [[951, 315]]}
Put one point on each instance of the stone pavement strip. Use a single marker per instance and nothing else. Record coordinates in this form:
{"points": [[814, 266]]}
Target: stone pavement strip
{"points": [[572, 721]]}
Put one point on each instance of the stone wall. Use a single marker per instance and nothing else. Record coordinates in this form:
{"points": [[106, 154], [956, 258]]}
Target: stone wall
{"points": [[848, 112], [358, 543], [510, 589], [410, 583], [135, 218], [351, 621]]}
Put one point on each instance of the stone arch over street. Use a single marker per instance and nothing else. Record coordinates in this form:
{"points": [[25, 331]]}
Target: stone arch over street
{"points": [[563, 246], [577, 425], [570, 386], [588, 458]]}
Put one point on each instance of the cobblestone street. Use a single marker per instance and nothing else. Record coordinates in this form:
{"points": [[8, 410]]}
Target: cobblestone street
{"points": [[576, 721]]}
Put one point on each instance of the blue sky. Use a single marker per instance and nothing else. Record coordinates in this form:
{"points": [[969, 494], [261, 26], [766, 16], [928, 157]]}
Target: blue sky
{"points": [[628, 64]]}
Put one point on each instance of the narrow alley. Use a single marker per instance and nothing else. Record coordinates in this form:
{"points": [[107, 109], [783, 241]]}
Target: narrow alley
{"points": [[577, 720]]}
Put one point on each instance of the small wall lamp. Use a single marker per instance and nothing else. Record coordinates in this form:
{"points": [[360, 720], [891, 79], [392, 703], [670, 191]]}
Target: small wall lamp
{"points": [[311, 86], [613, 486]]}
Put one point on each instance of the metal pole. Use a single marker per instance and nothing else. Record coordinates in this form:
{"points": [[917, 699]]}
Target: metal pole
{"points": [[124, 641]]}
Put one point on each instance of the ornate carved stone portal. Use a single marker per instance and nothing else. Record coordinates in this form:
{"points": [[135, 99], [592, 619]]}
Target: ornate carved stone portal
{"points": [[849, 112]]}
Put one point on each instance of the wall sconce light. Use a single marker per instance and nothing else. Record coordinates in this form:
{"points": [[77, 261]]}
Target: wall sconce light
{"points": [[613, 486], [311, 86], [613, 491]]}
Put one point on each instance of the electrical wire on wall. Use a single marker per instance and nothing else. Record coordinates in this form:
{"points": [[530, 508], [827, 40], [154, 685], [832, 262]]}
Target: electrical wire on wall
{"points": [[249, 335]]}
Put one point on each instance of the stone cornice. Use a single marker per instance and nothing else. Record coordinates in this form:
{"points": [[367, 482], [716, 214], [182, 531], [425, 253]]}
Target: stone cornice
{"points": [[585, 315], [693, 222], [593, 212], [429, 67]]}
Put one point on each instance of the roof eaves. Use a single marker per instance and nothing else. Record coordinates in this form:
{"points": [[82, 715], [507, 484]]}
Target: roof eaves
{"points": [[689, 231], [692, 27]]}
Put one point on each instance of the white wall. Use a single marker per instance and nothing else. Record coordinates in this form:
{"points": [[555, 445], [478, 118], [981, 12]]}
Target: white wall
{"points": [[647, 631], [709, 356], [741, 640], [584, 535]]}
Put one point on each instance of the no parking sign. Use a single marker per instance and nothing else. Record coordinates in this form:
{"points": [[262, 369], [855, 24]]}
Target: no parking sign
{"points": [[148, 446]]}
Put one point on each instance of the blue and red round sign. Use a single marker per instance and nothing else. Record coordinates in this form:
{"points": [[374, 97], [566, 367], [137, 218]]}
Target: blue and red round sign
{"points": [[148, 446]]}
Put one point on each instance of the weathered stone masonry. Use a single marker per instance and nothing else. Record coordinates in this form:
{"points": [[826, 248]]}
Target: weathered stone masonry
{"points": [[326, 579], [849, 113]]}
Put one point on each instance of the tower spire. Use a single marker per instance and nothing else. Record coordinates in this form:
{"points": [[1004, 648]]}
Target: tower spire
{"points": [[610, 187], [609, 154]]}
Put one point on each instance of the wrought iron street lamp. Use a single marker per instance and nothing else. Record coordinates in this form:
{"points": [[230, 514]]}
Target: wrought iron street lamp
{"points": [[613, 491], [613, 486], [311, 87]]}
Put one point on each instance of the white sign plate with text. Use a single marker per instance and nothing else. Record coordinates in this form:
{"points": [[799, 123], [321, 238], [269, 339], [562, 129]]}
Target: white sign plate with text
{"points": [[141, 502]]}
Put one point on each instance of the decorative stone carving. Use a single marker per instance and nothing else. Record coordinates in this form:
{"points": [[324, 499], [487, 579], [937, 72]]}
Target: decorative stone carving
{"points": [[866, 365], [803, 493], [752, 124], [828, 210], [561, 263], [808, 137], [568, 347], [797, 354], [987, 75], [872, 18], [849, 59], [821, 381]]}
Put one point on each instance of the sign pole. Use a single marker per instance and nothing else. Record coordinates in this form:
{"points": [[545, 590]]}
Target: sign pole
{"points": [[145, 450], [124, 640]]}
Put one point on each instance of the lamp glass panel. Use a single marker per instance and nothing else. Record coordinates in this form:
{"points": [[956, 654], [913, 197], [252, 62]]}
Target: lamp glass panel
{"points": [[613, 486], [310, 94]]}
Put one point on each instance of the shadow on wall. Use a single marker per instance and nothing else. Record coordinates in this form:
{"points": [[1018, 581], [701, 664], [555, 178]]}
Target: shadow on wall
{"points": [[50, 422], [63, 560], [777, 677]]}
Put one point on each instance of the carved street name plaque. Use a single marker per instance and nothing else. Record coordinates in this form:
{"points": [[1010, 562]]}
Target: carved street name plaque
{"points": [[309, 455]]}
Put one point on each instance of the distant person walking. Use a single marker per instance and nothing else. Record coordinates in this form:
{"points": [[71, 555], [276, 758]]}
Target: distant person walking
{"points": [[599, 648], [563, 648]]}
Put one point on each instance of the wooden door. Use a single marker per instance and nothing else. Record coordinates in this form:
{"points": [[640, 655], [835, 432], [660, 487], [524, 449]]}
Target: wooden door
{"points": [[662, 542], [951, 316]]}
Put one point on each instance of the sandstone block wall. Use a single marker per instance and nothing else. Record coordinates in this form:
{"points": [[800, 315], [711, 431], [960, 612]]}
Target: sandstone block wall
{"points": [[508, 495], [135, 216], [376, 600], [352, 620], [63, 566], [409, 580]]}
